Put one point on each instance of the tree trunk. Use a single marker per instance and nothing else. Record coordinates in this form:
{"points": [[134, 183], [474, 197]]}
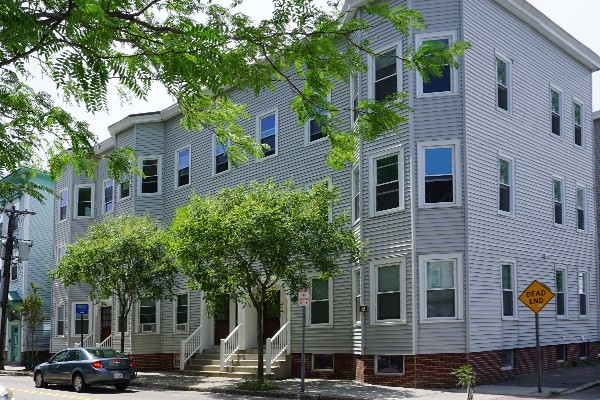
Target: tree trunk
{"points": [[122, 323], [259, 336]]}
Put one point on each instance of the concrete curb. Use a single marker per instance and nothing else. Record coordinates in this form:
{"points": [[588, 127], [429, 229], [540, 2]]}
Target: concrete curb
{"points": [[581, 387]]}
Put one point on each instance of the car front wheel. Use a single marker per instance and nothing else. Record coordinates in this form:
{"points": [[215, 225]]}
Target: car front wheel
{"points": [[39, 380], [78, 383], [121, 387]]}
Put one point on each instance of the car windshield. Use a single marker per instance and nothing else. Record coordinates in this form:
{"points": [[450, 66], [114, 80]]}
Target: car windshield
{"points": [[105, 353]]}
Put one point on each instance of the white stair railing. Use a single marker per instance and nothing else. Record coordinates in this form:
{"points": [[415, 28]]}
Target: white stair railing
{"points": [[276, 346], [88, 341], [231, 344], [106, 342], [189, 347]]}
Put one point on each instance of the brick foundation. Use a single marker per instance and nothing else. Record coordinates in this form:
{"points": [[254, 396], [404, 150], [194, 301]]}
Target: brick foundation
{"points": [[154, 362], [433, 370]]}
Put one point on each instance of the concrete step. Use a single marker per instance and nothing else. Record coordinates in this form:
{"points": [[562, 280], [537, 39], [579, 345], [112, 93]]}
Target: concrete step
{"points": [[215, 361], [221, 374], [237, 368]]}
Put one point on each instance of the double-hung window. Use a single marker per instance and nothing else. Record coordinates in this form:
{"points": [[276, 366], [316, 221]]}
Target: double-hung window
{"points": [[60, 320], [151, 167], [387, 183], [502, 83], [181, 312], [314, 129], [84, 201], [385, 74], [357, 294], [267, 132], [124, 189], [221, 161], [556, 111], [356, 208], [561, 292], [147, 316], [182, 174], [108, 192], [354, 97], [578, 123], [439, 175], [320, 302], [509, 297], [64, 201], [441, 287], [505, 185], [559, 200], [388, 290], [582, 289], [447, 81], [581, 209]]}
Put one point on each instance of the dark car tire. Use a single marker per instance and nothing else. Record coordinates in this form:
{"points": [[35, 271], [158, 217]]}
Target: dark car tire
{"points": [[79, 383], [121, 387], [39, 380]]}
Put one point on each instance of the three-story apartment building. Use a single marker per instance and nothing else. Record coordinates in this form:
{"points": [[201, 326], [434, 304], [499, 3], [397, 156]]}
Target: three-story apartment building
{"points": [[488, 187]]}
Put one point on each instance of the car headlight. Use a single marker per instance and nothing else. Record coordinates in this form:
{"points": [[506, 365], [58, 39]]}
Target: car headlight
{"points": [[6, 395]]}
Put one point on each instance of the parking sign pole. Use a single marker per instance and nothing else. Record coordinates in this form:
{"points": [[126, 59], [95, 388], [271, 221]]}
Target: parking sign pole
{"points": [[538, 352], [81, 328], [302, 362]]}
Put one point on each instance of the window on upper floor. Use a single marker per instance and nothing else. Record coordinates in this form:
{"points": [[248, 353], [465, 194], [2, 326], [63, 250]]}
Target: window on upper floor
{"points": [[561, 292], [356, 294], [503, 94], [559, 200], [356, 209], [108, 191], [354, 97], [183, 167], [446, 83], [556, 111], [221, 161], [321, 301], [267, 132], [84, 201], [509, 296], [582, 290], [125, 189], [439, 176], [387, 181], [385, 74], [64, 201], [388, 296], [581, 209], [506, 186], [14, 271], [441, 287], [578, 123], [151, 167], [314, 130]]}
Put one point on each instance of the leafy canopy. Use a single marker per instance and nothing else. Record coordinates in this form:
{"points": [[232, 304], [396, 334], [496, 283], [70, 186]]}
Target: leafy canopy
{"points": [[197, 50]]}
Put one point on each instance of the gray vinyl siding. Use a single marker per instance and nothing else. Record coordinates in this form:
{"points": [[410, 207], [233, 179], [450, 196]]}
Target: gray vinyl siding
{"points": [[530, 237], [149, 141], [596, 146]]}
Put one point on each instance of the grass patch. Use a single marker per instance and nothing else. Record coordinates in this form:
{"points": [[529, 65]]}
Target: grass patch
{"points": [[254, 385]]}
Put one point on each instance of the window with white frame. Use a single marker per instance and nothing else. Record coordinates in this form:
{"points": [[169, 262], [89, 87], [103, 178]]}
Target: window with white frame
{"points": [[387, 186], [389, 365], [441, 283], [388, 290], [439, 175], [356, 294], [509, 297], [447, 81], [267, 132], [559, 200], [183, 167], [108, 195], [507, 359], [581, 209], [151, 167], [64, 201], [320, 301], [181, 304], [147, 316], [561, 292], [84, 201], [221, 161], [502, 83], [578, 123], [60, 320], [582, 289], [314, 130], [354, 97], [125, 189], [356, 209], [385, 74], [14, 271], [556, 111], [505, 185], [80, 322]]}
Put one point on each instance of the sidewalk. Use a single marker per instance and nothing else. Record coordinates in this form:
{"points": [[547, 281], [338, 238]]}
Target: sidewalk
{"points": [[563, 381]]}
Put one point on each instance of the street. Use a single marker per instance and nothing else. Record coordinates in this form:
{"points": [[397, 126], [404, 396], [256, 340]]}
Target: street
{"points": [[23, 389], [592, 393]]}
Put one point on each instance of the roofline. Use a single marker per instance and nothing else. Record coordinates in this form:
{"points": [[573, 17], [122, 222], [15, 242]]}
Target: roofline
{"points": [[596, 115], [104, 146], [132, 119]]}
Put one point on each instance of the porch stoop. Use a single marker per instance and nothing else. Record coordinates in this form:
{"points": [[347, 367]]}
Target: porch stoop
{"points": [[243, 365]]}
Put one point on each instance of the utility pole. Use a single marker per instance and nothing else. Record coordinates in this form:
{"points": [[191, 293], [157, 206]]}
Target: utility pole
{"points": [[12, 214]]}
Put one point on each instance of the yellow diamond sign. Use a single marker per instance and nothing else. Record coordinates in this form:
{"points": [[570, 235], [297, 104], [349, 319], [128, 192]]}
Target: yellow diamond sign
{"points": [[536, 296]]}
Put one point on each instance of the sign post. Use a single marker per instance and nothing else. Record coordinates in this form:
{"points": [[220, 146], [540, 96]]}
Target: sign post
{"points": [[536, 296], [303, 301], [81, 309]]}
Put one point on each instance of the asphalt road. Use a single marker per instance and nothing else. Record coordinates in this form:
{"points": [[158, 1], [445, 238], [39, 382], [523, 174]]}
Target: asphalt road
{"points": [[592, 393], [24, 389]]}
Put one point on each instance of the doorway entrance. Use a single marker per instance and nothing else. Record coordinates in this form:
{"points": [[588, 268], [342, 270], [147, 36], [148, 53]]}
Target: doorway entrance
{"points": [[105, 323], [222, 319], [272, 316], [14, 341]]}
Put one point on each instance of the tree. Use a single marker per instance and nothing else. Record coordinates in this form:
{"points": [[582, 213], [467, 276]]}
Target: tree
{"points": [[33, 316], [197, 50], [123, 258], [245, 240]]}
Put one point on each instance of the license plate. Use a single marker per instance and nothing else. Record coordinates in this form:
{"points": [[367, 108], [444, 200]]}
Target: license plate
{"points": [[118, 375]]}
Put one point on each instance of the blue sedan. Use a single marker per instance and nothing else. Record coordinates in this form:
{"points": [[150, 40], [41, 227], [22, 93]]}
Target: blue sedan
{"points": [[82, 367]]}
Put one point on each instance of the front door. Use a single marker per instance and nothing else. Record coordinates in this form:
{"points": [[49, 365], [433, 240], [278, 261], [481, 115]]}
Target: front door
{"points": [[272, 317], [105, 322], [222, 319], [14, 340]]}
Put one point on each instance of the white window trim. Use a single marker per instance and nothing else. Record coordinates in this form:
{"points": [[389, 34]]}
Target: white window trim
{"points": [[130, 189], [561, 107], [376, 366], [458, 279], [509, 93], [371, 69], [356, 76], [511, 176], [187, 329], [312, 362], [456, 172], [138, 326], [583, 141], [585, 208], [563, 199], [66, 205], [356, 190], [513, 263], [258, 138], [76, 201], [329, 186], [357, 287], [176, 173], [58, 305], [566, 291], [307, 141], [330, 300], [104, 198], [214, 158], [396, 150], [75, 316], [587, 293], [159, 171], [424, 37], [401, 262]]}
